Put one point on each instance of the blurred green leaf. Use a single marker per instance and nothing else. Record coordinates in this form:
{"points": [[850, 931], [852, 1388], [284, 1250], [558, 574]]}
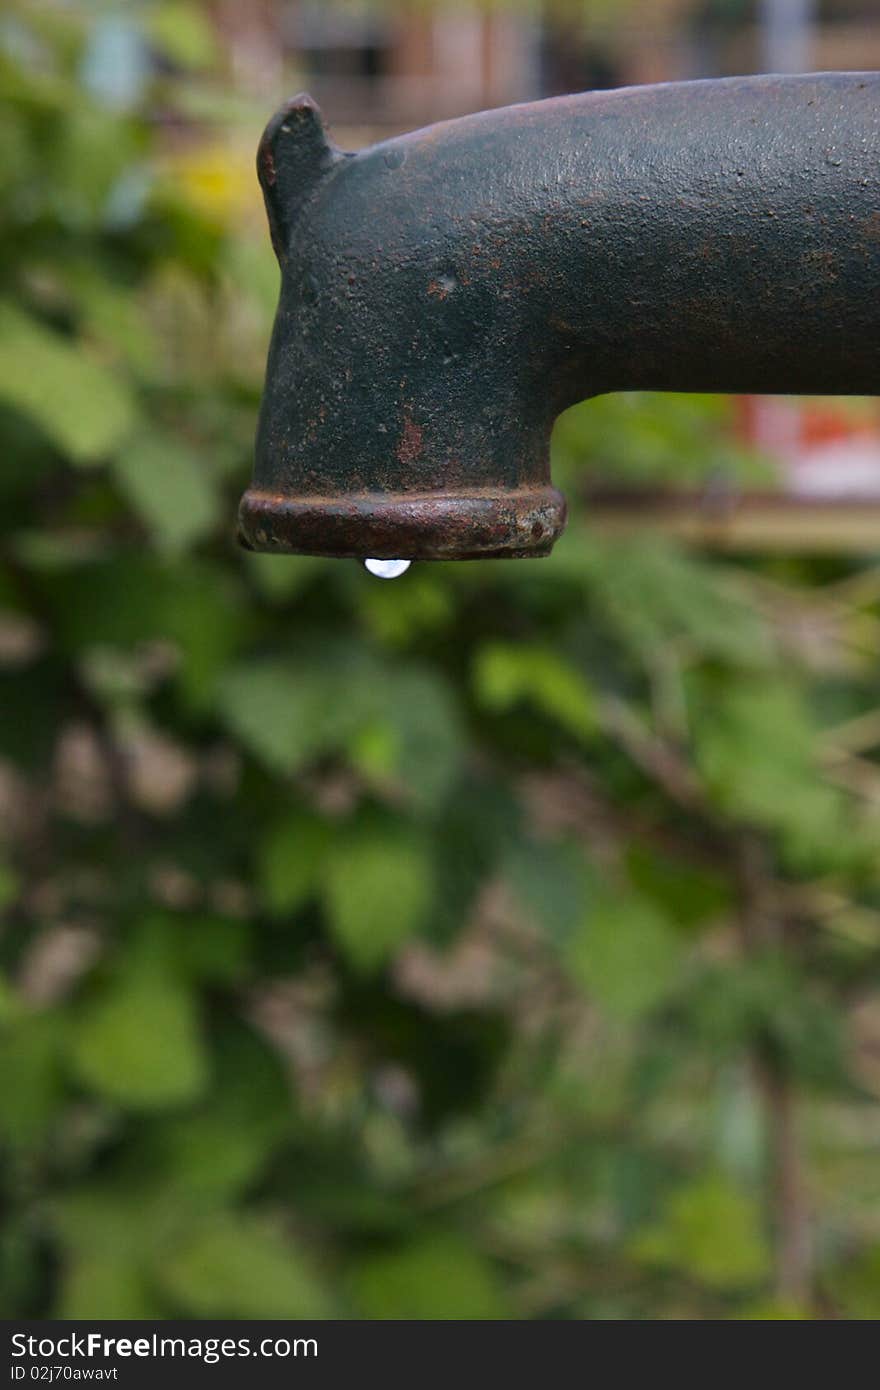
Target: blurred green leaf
{"points": [[709, 1231], [290, 861], [651, 438], [415, 738], [138, 1041], [105, 1285], [214, 949], [505, 675], [688, 894], [110, 1219], [130, 599], [652, 594], [776, 1310], [549, 884], [214, 1152], [756, 746], [182, 33], [856, 1286], [84, 408], [472, 838], [401, 613], [767, 1001], [168, 489], [30, 1076], [378, 884], [239, 1265], [287, 713], [281, 578], [437, 1277], [626, 954]]}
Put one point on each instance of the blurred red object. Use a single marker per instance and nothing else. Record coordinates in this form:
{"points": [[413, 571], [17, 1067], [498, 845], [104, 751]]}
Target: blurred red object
{"points": [[825, 447]]}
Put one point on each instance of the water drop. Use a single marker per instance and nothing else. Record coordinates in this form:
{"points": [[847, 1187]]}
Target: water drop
{"points": [[387, 569]]}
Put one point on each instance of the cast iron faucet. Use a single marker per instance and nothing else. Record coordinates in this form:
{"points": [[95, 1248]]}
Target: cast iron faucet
{"points": [[447, 293]]}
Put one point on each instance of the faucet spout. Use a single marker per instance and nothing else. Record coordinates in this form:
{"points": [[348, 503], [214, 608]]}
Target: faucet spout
{"points": [[447, 293]]}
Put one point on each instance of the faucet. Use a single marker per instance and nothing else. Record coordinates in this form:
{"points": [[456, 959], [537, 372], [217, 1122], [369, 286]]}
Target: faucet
{"points": [[447, 293]]}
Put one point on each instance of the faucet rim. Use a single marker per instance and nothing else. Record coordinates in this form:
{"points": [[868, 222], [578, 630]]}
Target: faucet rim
{"points": [[422, 526]]}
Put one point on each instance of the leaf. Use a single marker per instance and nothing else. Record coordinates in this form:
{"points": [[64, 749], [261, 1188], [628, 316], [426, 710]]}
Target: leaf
{"points": [[504, 675], [415, 738], [168, 488], [625, 953], [214, 949], [112, 317], [547, 880], [9, 1005], [84, 408], [377, 886], [213, 1153], [650, 437], [109, 1215], [473, 835], [290, 862], [30, 1077], [400, 613], [711, 1232], [282, 578], [129, 599], [182, 34], [757, 749], [139, 1041], [287, 713], [437, 1277], [652, 593], [756, 746], [237, 1265], [856, 1285], [104, 1285], [690, 895], [776, 1309], [394, 722], [768, 1000]]}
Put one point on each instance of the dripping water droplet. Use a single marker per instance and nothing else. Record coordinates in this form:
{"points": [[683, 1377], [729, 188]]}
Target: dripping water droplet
{"points": [[387, 569]]}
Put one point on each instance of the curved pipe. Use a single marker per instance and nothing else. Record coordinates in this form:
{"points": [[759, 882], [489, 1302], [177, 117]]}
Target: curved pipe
{"points": [[447, 293]]}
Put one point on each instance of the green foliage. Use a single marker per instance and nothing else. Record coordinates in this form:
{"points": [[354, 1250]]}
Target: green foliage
{"points": [[168, 489], [434, 1277], [378, 888], [710, 1232], [84, 409], [291, 860], [626, 953], [506, 675], [139, 1042], [412, 950], [239, 1267], [757, 750]]}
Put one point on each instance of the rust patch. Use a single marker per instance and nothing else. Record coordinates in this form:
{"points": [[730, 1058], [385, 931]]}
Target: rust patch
{"points": [[442, 288], [267, 165], [411, 445]]}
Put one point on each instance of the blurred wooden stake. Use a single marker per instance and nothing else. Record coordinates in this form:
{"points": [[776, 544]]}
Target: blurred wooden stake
{"points": [[744, 522]]}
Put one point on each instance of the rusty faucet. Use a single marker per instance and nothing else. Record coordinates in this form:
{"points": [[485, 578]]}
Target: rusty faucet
{"points": [[447, 293]]}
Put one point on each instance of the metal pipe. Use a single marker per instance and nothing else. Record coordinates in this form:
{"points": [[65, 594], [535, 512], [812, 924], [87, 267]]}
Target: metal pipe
{"points": [[447, 293], [786, 34]]}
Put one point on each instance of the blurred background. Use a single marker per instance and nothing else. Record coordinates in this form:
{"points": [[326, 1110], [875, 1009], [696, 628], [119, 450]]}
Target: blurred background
{"points": [[500, 942]]}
